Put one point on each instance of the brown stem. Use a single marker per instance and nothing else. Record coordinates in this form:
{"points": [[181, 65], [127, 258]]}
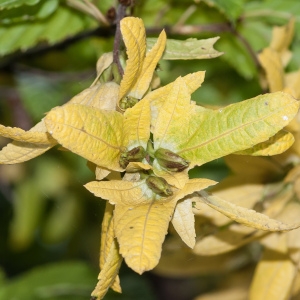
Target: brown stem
{"points": [[118, 36]]}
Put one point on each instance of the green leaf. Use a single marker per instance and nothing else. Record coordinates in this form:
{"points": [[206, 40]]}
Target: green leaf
{"points": [[216, 133], [64, 23], [230, 8], [71, 280], [15, 3], [41, 10], [188, 49]]}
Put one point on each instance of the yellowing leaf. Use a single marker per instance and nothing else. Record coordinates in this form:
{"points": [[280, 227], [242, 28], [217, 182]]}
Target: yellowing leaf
{"points": [[134, 36], [88, 132], [271, 62], [149, 64], [291, 83], [239, 126], [108, 273], [141, 231], [177, 179], [103, 63], [273, 277], [159, 96], [245, 216], [136, 130], [101, 96], [108, 244], [277, 144], [32, 137], [17, 152], [184, 222], [226, 240], [188, 49]]}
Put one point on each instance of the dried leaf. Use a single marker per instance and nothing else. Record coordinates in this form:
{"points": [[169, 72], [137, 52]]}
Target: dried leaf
{"points": [[88, 132], [184, 222], [134, 36]]}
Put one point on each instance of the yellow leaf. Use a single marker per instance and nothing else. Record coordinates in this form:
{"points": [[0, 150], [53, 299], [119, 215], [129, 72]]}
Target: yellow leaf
{"points": [[88, 132], [134, 36], [107, 240], [141, 231], [184, 222], [137, 166], [109, 272], [277, 144], [177, 179], [101, 96], [226, 240], [136, 127], [32, 137], [103, 63], [291, 83], [17, 152], [159, 96], [246, 216], [273, 277], [148, 67], [271, 62]]}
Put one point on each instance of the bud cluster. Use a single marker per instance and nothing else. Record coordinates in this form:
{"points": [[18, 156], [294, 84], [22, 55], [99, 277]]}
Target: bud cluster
{"points": [[136, 154]]}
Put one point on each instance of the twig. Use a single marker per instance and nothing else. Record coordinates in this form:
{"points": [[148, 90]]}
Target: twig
{"points": [[118, 36]]}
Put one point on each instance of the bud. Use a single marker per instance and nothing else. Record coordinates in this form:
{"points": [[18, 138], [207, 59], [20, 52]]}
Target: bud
{"points": [[128, 102], [136, 154], [170, 160], [159, 186]]}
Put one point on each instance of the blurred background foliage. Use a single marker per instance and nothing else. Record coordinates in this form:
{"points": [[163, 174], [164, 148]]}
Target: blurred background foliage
{"points": [[49, 224]]}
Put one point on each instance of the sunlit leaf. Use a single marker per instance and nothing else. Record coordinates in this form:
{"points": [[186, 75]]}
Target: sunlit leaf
{"points": [[31, 137], [89, 132], [216, 133], [277, 144], [134, 36], [188, 49], [184, 222], [148, 67], [17, 152], [136, 131]]}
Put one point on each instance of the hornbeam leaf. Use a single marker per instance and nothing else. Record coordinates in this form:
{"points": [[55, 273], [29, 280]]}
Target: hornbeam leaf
{"points": [[140, 231], [134, 36], [32, 137], [184, 222], [17, 152], [89, 132], [245, 216], [136, 131], [148, 67], [277, 144], [273, 277], [188, 49], [215, 133]]}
